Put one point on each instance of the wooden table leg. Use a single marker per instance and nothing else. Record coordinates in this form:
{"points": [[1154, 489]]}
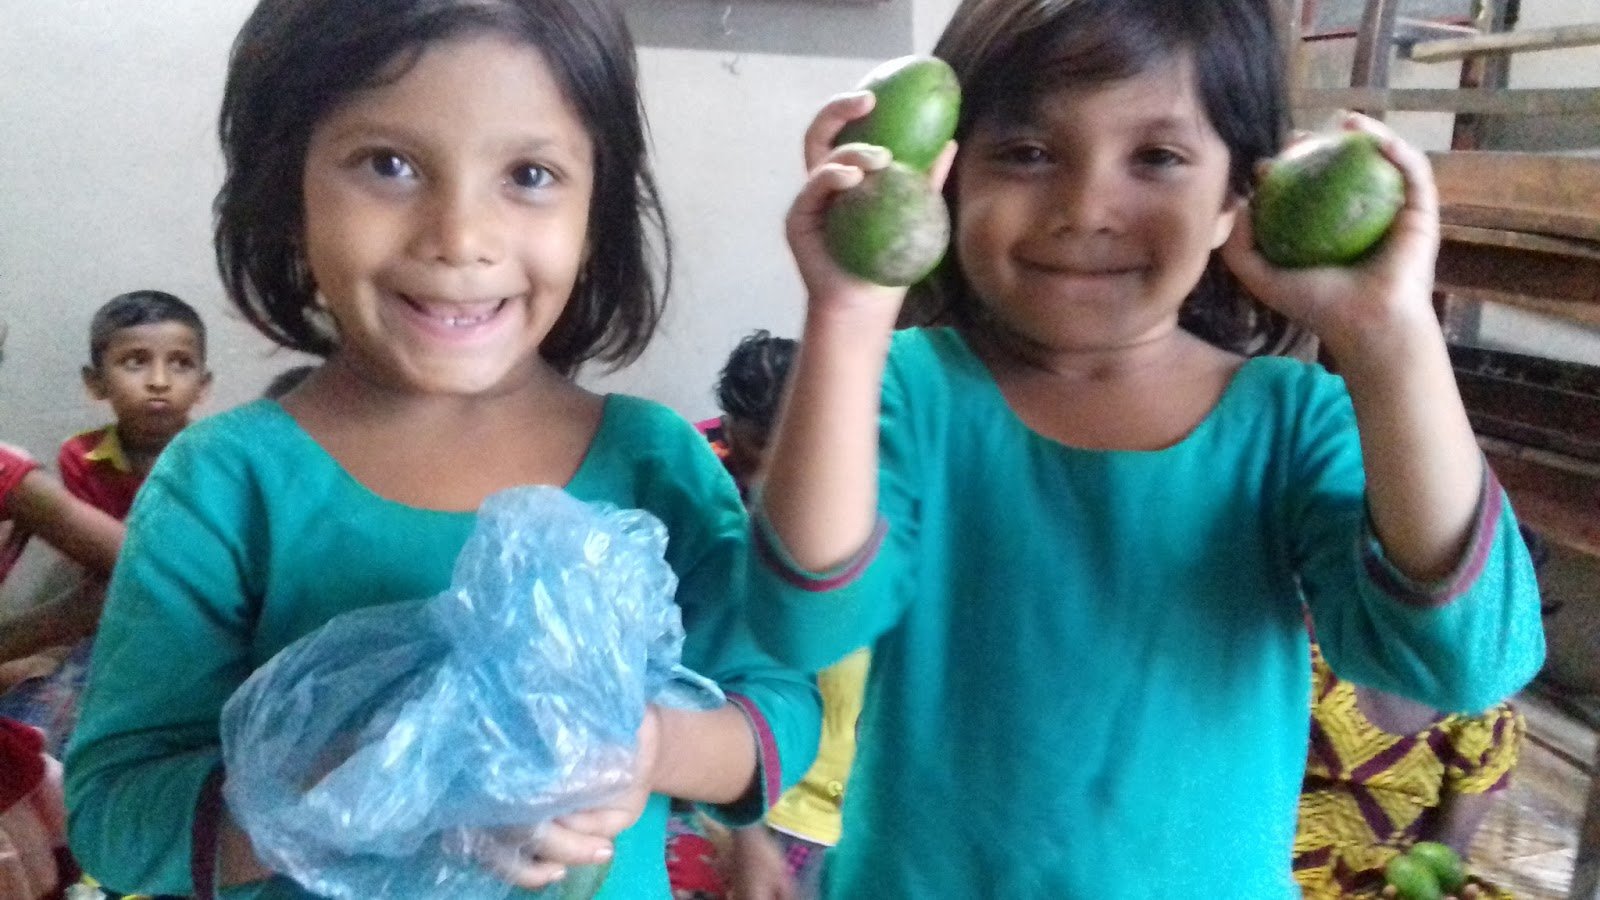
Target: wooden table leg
{"points": [[1586, 874]]}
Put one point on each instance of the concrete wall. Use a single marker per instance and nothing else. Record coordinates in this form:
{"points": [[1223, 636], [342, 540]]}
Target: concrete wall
{"points": [[107, 117]]}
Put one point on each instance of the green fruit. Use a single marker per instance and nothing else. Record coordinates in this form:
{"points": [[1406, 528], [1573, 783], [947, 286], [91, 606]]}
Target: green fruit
{"points": [[1412, 879], [1445, 863], [918, 100], [1326, 201], [891, 229]]}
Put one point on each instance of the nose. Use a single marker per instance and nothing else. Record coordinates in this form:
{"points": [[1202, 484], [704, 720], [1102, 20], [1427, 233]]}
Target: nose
{"points": [[461, 228], [159, 379], [1086, 197]]}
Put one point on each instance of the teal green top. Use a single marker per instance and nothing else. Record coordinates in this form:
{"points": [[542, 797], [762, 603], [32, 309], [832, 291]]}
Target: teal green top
{"points": [[248, 535], [1090, 669]]}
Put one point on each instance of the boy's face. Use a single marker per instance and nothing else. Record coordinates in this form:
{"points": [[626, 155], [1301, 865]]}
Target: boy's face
{"points": [[152, 375]]}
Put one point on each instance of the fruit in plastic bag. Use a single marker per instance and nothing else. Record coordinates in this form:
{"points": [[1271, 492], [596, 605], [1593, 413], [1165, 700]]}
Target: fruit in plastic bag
{"points": [[365, 757]]}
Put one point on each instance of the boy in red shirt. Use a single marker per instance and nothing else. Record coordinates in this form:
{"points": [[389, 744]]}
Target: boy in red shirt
{"points": [[147, 358]]}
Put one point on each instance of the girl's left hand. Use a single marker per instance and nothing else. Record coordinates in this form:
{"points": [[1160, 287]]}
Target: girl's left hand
{"points": [[541, 857], [1357, 308]]}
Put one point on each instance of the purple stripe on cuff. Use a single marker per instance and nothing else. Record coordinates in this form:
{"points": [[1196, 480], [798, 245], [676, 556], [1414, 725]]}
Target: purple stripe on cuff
{"points": [[776, 560], [1490, 503], [204, 838], [771, 773]]}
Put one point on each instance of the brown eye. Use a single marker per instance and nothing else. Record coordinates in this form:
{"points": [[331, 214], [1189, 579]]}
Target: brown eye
{"points": [[530, 177], [388, 164]]}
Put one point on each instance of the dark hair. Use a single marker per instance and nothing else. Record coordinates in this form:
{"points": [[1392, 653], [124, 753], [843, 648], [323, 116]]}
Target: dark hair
{"points": [[286, 381], [295, 60], [137, 308], [1010, 54], [751, 383]]}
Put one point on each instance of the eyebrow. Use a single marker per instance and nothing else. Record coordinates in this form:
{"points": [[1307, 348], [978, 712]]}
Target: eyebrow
{"points": [[369, 129]]}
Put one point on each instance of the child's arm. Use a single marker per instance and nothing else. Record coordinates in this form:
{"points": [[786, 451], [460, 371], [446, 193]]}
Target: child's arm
{"points": [[1423, 466], [1409, 555], [81, 532], [820, 493]]}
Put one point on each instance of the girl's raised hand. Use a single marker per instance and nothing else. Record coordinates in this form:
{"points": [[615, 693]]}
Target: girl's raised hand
{"points": [[1361, 308], [833, 170]]}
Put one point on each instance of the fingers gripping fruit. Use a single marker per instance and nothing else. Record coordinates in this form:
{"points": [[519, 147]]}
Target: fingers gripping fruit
{"points": [[893, 228], [917, 101], [1326, 201]]}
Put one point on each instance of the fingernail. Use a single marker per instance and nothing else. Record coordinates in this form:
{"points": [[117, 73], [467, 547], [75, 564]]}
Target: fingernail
{"points": [[603, 854]]}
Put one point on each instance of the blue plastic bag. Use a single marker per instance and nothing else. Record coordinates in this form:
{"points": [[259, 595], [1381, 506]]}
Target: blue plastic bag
{"points": [[364, 756]]}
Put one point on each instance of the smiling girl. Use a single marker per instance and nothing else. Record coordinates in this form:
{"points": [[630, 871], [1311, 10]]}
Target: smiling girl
{"points": [[450, 201]]}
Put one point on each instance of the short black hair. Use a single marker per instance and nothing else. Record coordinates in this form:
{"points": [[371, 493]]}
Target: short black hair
{"points": [[137, 308], [751, 384], [1010, 54], [295, 60]]}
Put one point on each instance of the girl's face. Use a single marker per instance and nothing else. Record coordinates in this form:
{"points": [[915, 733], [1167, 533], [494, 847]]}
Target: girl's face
{"points": [[446, 214], [1085, 228]]}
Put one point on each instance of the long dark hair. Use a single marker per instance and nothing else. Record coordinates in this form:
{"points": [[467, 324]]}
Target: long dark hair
{"points": [[294, 60], [1009, 54]]}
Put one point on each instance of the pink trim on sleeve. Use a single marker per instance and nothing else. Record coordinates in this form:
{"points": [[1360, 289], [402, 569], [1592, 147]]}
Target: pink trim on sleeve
{"points": [[770, 766], [773, 555], [1491, 500]]}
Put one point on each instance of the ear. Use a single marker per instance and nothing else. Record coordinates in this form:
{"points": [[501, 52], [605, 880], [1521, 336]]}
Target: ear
{"points": [[1232, 208], [95, 383], [205, 388]]}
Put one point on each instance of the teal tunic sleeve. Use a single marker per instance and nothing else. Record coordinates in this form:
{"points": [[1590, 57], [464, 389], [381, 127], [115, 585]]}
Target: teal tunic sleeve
{"points": [[1461, 644], [173, 644], [814, 619]]}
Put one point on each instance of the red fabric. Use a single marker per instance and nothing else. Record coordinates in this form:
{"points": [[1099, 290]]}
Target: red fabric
{"points": [[97, 483], [15, 464], [21, 761]]}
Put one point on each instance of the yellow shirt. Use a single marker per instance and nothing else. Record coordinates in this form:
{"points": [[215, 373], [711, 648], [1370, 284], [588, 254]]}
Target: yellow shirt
{"points": [[810, 810]]}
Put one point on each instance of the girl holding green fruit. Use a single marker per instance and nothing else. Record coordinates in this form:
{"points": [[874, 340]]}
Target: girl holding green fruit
{"points": [[1078, 525]]}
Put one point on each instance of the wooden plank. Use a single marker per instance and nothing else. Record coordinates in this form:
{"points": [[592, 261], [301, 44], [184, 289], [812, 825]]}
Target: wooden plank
{"points": [[1511, 102], [1562, 506], [1586, 870], [1474, 266], [1529, 241], [1528, 41], [1374, 44], [1549, 183], [1525, 220]]}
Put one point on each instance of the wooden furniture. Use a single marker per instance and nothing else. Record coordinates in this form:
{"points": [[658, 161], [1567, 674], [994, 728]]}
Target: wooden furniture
{"points": [[1517, 229]]}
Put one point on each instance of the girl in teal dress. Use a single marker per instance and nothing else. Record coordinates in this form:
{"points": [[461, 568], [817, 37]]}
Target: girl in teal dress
{"points": [[449, 200], [1078, 523]]}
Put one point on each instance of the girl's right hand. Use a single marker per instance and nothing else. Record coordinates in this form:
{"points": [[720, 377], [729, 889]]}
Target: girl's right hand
{"points": [[539, 857], [834, 170]]}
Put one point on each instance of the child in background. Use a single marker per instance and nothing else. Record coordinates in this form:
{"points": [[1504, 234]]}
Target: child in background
{"points": [[782, 858], [1384, 773], [1078, 527], [40, 674], [450, 201], [147, 358]]}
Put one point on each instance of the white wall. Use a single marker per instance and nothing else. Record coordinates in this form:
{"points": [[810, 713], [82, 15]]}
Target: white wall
{"points": [[109, 166]]}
